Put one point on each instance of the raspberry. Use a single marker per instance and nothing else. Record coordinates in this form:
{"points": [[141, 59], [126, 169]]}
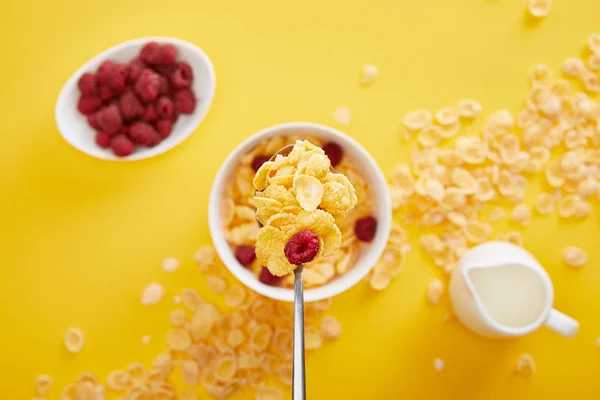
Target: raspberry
{"points": [[124, 130], [116, 76], [334, 152], [135, 70], [131, 107], [147, 52], [91, 119], [245, 255], [165, 70], [303, 247], [268, 278], [143, 133], [185, 101], [105, 93], [88, 104], [148, 85], [121, 146], [149, 114], [182, 76], [164, 127], [87, 83], [109, 119], [164, 54], [102, 139], [258, 161], [164, 87], [164, 107], [103, 72], [365, 228]]}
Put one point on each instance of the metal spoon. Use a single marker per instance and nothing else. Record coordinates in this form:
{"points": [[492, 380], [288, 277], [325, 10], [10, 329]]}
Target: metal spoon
{"points": [[298, 371]]}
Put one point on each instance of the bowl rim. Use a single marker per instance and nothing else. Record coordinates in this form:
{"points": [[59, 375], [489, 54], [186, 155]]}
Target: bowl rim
{"points": [[334, 287], [151, 152]]}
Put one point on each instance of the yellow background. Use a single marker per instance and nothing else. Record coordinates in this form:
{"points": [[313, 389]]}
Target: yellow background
{"points": [[81, 237]]}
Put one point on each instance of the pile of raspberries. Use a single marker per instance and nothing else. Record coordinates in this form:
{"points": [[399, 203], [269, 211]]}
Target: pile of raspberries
{"points": [[137, 103]]}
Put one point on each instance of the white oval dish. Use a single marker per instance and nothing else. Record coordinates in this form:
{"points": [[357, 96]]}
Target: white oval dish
{"points": [[381, 207], [73, 125]]}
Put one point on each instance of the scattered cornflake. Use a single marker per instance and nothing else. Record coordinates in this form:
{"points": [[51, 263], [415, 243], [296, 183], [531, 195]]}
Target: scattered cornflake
{"points": [[368, 73], [269, 393], [438, 364], [330, 327], [496, 214], [447, 116], [170, 264], [469, 108], [597, 341], [73, 340], [435, 289], [217, 284], [574, 256], [525, 365], [342, 115], [450, 318], [146, 339], [521, 214], [205, 257], [593, 43], [117, 380], [539, 8], [152, 294], [545, 204], [178, 339], [573, 67], [42, 384], [418, 119]]}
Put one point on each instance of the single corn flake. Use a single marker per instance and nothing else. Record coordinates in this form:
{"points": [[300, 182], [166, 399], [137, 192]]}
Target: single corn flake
{"points": [[521, 214], [368, 73], [309, 191], [217, 284], [438, 364], [469, 108], [73, 340], [189, 372], [170, 264], [177, 317], [146, 339], [477, 231], [573, 66], [380, 280], [593, 62], [330, 327], [117, 380], [447, 116], [430, 136], [312, 338], [496, 214], [235, 296], [205, 255], [568, 205], [42, 384], [435, 289], [178, 339], [418, 119], [152, 294], [269, 393], [342, 115], [574, 256], [545, 204], [593, 43], [525, 365]]}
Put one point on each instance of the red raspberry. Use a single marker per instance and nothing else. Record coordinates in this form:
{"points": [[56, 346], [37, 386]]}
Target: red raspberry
{"points": [[91, 119], [303, 247], [87, 83], [116, 76], [109, 119], [147, 52], [121, 146], [245, 255], [164, 127], [135, 70], [102, 139], [131, 107], [164, 107], [124, 130], [185, 101], [149, 114], [258, 161], [365, 228], [88, 104], [143, 133], [148, 85], [105, 93], [165, 70], [164, 54], [268, 278], [103, 73], [182, 76], [334, 152], [165, 87]]}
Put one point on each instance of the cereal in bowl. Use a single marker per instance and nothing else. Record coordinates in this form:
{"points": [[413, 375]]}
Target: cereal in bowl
{"points": [[301, 199], [314, 197]]}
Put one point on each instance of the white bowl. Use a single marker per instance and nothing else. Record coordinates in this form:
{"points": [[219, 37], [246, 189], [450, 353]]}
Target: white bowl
{"points": [[73, 125], [381, 207]]}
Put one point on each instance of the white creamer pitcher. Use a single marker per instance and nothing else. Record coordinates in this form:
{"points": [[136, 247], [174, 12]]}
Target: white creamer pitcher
{"points": [[499, 289]]}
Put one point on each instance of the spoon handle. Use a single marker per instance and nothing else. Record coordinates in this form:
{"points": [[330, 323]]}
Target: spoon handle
{"points": [[299, 382]]}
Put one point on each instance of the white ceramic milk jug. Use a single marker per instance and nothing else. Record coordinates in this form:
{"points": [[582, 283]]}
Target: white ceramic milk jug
{"points": [[499, 289]]}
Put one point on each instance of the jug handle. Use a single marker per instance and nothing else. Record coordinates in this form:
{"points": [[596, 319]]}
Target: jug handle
{"points": [[562, 323]]}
